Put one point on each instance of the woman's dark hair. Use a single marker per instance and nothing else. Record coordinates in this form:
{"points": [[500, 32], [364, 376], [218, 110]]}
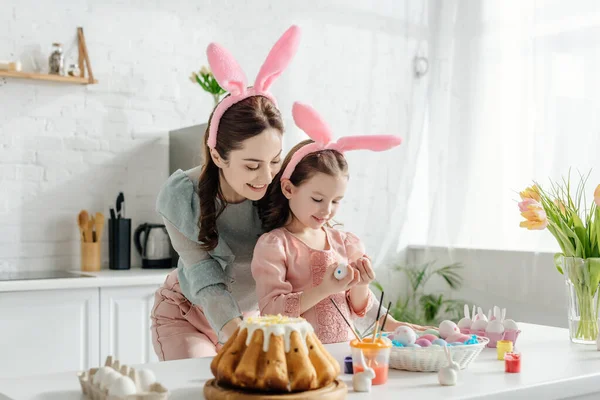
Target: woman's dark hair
{"points": [[274, 208], [242, 121]]}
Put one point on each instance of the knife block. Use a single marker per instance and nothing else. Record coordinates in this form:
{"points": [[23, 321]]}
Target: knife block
{"points": [[119, 243], [90, 256]]}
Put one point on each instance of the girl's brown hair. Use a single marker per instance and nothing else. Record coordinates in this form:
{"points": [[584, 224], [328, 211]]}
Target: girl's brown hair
{"points": [[242, 121], [274, 208]]}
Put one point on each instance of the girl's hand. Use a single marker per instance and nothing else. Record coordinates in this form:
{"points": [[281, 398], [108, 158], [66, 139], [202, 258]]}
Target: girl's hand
{"points": [[365, 270], [331, 285]]}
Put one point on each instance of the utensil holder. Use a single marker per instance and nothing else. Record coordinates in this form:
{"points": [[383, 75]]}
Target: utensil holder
{"points": [[90, 256], [119, 238]]}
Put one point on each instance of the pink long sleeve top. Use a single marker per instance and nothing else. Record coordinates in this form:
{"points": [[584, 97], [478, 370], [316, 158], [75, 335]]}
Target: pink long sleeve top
{"points": [[284, 266]]}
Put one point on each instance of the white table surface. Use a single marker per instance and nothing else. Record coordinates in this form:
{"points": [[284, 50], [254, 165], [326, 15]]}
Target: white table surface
{"points": [[134, 276], [552, 368]]}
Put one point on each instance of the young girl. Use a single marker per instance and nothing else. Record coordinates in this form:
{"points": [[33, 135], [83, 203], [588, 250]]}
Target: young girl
{"points": [[209, 211], [294, 262]]}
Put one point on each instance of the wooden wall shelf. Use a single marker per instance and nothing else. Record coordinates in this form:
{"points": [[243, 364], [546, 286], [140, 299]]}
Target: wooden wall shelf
{"points": [[84, 61], [47, 77]]}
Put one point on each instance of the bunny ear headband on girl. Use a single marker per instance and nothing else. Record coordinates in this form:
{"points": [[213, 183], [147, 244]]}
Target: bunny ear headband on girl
{"points": [[231, 77], [307, 119]]}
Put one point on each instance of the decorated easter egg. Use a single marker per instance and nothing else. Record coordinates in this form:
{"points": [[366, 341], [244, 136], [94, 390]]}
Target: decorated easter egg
{"points": [[423, 342], [494, 326], [341, 271], [510, 325], [439, 342], [465, 323], [432, 332], [405, 335], [412, 345], [447, 328], [429, 337], [479, 325], [457, 337], [121, 387]]}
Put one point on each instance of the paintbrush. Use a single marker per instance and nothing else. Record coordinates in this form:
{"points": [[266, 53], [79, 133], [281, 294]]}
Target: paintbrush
{"points": [[347, 323]]}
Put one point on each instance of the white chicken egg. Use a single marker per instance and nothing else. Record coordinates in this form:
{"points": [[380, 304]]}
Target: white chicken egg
{"points": [[100, 374], [494, 326], [145, 379], [479, 325], [405, 335], [447, 328], [465, 323], [122, 387], [510, 325], [109, 378]]}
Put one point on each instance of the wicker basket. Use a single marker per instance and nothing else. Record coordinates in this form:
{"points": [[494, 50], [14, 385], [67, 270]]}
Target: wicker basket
{"points": [[431, 359]]}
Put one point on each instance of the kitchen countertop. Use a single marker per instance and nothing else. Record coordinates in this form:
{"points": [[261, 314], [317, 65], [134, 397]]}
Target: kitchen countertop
{"points": [[552, 368], [103, 278]]}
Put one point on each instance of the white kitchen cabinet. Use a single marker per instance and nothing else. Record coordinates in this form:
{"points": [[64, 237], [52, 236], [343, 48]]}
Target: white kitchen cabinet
{"points": [[125, 323], [48, 331]]}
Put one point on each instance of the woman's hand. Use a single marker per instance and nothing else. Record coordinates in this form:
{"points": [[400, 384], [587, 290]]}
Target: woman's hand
{"points": [[229, 329]]}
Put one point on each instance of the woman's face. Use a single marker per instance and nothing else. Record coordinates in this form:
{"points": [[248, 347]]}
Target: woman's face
{"points": [[249, 170]]}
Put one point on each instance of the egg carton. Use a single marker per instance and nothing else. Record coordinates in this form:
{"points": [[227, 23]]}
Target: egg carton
{"points": [[509, 329], [93, 391]]}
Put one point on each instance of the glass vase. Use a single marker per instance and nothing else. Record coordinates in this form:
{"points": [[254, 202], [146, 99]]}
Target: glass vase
{"points": [[581, 279]]}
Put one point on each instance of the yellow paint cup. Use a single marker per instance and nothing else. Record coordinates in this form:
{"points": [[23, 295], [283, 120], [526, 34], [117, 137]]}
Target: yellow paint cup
{"points": [[503, 346]]}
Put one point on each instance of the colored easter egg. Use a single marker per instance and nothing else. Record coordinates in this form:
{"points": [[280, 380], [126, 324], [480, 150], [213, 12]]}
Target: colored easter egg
{"points": [[432, 332], [423, 342], [448, 328], [405, 335], [439, 342], [457, 337], [430, 337]]}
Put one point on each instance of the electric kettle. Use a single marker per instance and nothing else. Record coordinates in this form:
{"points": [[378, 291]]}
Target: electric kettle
{"points": [[153, 244]]}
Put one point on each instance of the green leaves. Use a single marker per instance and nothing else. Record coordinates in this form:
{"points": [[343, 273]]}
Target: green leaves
{"points": [[575, 227], [416, 306]]}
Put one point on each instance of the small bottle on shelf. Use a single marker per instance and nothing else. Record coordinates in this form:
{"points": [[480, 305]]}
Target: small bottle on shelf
{"points": [[56, 60]]}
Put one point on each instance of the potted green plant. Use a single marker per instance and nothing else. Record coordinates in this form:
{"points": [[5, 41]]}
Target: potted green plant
{"points": [[417, 306]]}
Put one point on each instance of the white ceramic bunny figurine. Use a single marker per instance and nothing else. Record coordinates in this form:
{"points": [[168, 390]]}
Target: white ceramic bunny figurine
{"points": [[448, 375], [361, 381]]}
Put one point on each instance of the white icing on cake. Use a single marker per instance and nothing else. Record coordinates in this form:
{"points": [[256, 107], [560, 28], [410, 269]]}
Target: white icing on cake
{"points": [[277, 325]]}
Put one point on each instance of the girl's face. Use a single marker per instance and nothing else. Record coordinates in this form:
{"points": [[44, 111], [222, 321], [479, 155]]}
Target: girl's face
{"points": [[249, 170], [317, 199]]}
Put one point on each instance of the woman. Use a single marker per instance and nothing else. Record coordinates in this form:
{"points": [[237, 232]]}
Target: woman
{"points": [[209, 211]]}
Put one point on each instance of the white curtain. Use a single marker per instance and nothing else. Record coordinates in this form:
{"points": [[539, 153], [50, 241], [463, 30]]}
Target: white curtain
{"points": [[513, 98], [516, 101]]}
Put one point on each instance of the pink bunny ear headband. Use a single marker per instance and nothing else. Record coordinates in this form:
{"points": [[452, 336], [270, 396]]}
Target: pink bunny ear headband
{"points": [[231, 77], [307, 119]]}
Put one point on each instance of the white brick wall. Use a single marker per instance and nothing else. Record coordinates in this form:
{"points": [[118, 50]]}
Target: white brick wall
{"points": [[65, 148]]}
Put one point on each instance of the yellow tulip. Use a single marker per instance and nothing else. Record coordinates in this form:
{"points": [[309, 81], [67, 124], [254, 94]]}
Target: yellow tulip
{"points": [[204, 70], [535, 217], [597, 196], [531, 193], [561, 206]]}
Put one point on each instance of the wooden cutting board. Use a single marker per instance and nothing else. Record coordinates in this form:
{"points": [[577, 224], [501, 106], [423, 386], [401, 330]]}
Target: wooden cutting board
{"points": [[334, 391]]}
